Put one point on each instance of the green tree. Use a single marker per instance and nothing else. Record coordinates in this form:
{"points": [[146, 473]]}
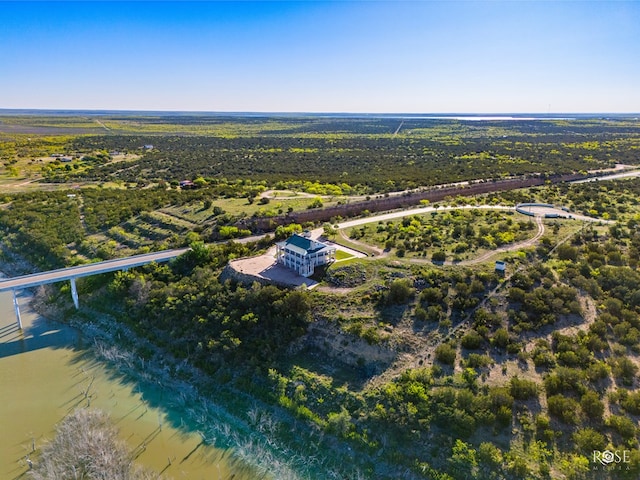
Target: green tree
{"points": [[439, 256], [400, 291], [329, 231], [574, 467], [463, 461]]}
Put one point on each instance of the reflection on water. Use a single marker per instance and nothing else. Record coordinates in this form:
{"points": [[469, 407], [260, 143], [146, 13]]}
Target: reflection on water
{"points": [[45, 374], [38, 333]]}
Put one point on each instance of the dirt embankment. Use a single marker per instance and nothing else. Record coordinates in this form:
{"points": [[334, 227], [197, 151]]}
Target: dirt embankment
{"points": [[346, 348]]}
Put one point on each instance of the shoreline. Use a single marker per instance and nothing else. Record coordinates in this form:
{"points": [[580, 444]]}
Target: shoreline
{"points": [[250, 433], [157, 384], [259, 435], [67, 355], [251, 445]]}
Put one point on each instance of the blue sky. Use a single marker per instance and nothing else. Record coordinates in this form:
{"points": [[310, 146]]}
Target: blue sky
{"points": [[313, 56]]}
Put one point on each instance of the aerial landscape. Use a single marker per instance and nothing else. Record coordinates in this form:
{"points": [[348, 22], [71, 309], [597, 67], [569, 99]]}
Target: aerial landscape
{"points": [[319, 240]]}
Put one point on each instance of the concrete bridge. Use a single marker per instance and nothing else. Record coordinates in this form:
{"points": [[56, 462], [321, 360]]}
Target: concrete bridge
{"points": [[71, 273]]}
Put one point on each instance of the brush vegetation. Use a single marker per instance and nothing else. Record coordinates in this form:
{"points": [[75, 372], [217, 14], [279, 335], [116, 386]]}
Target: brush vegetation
{"points": [[86, 446], [412, 369]]}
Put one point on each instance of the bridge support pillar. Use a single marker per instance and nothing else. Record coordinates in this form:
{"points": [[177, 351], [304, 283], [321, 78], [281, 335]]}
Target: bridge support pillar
{"points": [[17, 309], [74, 293]]}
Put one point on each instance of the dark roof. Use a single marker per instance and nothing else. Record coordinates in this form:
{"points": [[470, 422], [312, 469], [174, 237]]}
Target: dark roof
{"points": [[299, 241]]}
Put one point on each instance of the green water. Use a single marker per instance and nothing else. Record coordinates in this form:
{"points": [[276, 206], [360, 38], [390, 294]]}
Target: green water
{"points": [[45, 373]]}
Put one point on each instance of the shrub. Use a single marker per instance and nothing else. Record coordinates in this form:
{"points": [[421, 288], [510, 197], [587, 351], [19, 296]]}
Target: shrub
{"points": [[631, 403], [476, 361], [624, 369], [490, 455], [542, 356], [565, 379], [446, 354], [588, 440], [516, 295], [542, 422], [439, 256], [624, 426], [591, 405], [564, 408], [431, 295], [519, 468], [371, 335], [433, 313], [421, 314], [400, 291], [471, 340], [523, 389], [339, 423], [501, 338], [597, 371], [316, 203], [567, 252]]}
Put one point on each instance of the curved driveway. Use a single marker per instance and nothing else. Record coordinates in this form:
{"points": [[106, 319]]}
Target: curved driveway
{"points": [[316, 233]]}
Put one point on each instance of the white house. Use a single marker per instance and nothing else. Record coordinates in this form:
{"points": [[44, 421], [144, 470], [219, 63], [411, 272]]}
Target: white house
{"points": [[302, 254]]}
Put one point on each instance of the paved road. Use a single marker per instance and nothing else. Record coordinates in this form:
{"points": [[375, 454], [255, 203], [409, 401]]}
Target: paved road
{"points": [[27, 281], [316, 233], [423, 210], [416, 211], [634, 173]]}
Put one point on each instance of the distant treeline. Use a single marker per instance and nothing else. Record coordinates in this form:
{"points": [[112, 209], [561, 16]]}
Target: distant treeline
{"points": [[364, 152]]}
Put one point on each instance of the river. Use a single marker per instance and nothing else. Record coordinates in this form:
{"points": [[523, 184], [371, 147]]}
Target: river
{"points": [[45, 373]]}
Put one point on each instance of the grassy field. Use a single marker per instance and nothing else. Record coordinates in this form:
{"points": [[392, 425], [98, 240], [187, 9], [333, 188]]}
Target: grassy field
{"points": [[342, 255], [340, 240]]}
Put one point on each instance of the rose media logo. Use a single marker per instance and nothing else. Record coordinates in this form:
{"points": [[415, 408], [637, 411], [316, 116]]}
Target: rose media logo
{"points": [[611, 460]]}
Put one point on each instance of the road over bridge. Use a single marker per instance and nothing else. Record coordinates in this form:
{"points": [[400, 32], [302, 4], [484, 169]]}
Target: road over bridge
{"points": [[71, 273]]}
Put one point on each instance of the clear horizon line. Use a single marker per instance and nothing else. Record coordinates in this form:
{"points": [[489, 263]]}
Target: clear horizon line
{"points": [[311, 113]]}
